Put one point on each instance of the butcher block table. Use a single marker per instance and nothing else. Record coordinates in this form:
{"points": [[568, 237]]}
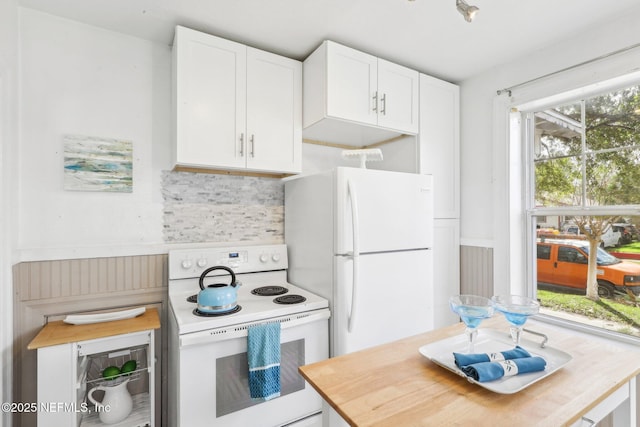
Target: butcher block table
{"points": [[394, 385]]}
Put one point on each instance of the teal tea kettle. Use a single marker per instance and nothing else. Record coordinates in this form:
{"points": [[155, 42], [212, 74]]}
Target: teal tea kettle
{"points": [[218, 298]]}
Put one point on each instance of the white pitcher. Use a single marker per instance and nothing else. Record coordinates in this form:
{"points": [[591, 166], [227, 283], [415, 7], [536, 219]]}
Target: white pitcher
{"points": [[116, 404]]}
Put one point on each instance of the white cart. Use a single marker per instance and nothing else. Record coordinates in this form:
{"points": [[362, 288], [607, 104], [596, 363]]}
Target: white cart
{"points": [[71, 361]]}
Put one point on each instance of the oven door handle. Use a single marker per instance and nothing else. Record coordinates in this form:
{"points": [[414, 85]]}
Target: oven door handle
{"points": [[239, 331]]}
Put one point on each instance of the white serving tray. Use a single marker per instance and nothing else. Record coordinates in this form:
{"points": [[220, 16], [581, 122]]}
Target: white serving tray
{"points": [[85, 319], [491, 341]]}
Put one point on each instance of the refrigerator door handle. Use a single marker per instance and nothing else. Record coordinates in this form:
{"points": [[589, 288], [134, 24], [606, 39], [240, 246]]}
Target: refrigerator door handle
{"points": [[356, 251]]}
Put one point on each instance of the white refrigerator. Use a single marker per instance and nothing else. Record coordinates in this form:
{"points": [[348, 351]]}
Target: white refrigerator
{"points": [[363, 239]]}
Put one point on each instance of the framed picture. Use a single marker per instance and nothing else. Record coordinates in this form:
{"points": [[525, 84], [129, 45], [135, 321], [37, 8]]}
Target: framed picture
{"points": [[97, 164]]}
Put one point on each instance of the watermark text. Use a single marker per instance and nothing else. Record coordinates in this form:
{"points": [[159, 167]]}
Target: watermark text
{"points": [[50, 407]]}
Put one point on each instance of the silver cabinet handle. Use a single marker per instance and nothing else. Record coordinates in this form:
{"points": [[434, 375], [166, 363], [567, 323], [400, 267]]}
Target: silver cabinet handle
{"points": [[253, 145], [375, 101], [242, 144], [384, 104]]}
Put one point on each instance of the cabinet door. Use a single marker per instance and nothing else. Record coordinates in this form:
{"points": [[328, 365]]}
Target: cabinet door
{"points": [[210, 93], [439, 143], [57, 382], [352, 82], [398, 95], [446, 269], [274, 112]]}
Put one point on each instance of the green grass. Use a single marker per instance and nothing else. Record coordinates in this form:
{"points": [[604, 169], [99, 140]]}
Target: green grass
{"points": [[630, 248], [621, 310]]}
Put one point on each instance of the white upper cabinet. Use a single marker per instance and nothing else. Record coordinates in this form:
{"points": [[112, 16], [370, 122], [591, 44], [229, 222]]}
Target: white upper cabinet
{"points": [[236, 108], [439, 143], [352, 83], [210, 100], [274, 112], [398, 97], [354, 98]]}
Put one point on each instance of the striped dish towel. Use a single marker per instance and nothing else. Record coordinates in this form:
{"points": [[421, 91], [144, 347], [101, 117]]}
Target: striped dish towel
{"points": [[263, 354]]}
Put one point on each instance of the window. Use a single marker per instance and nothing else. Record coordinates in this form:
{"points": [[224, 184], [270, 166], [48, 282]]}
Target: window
{"points": [[566, 254], [583, 159], [587, 153], [544, 252]]}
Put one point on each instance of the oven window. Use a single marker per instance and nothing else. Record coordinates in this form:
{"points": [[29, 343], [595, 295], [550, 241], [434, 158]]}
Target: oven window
{"points": [[232, 378]]}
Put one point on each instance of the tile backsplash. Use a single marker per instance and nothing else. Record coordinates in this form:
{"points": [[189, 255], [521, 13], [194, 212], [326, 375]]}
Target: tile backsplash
{"points": [[200, 207]]}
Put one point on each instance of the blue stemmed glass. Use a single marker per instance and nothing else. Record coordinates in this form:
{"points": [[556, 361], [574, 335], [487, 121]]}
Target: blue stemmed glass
{"points": [[472, 309], [516, 310]]}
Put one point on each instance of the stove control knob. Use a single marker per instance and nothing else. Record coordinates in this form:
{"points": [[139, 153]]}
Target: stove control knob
{"points": [[202, 262], [275, 257], [186, 264], [264, 258]]}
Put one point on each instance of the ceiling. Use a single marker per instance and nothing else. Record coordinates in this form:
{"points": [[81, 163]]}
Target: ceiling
{"points": [[427, 35]]}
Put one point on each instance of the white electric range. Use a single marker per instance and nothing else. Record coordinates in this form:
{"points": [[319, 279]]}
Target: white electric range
{"points": [[207, 354]]}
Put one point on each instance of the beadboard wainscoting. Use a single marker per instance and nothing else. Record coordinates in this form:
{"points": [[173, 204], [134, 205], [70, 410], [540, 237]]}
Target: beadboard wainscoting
{"points": [[48, 290], [200, 207], [476, 270]]}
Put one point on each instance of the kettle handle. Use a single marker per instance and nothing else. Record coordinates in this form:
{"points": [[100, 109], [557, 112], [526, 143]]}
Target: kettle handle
{"points": [[217, 267]]}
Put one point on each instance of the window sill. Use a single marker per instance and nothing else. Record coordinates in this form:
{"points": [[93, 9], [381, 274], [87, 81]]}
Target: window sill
{"points": [[589, 330]]}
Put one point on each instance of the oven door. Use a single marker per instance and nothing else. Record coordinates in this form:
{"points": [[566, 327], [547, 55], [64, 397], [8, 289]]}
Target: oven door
{"points": [[213, 375]]}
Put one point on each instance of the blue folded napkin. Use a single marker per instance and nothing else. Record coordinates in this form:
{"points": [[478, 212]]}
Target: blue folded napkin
{"points": [[490, 371], [469, 359], [263, 354]]}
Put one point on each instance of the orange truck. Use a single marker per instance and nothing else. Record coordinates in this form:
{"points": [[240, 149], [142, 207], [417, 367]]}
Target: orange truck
{"points": [[562, 265]]}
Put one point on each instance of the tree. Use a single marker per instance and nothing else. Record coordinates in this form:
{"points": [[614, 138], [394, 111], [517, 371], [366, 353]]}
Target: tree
{"points": [[593, 228], [588, 154]]}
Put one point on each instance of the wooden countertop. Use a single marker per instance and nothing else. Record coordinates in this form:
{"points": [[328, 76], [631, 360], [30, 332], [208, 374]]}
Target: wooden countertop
{"points": [[58, 332], [394, 385]]}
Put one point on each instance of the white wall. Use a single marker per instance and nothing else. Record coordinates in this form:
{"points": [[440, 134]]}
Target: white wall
{"points": [[79, 79], [487, 202], [8, 192], [318, 158], [398, 156]]}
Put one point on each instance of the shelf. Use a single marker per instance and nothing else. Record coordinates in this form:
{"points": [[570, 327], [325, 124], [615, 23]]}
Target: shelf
{"points": [[139, 417], [98, 362]]}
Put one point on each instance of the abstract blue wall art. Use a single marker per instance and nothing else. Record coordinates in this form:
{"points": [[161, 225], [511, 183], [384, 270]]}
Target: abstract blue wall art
{"points": [[97, 164]]}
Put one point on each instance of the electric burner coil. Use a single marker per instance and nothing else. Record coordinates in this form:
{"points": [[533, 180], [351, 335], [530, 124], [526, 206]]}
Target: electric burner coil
{"points": [[269, 291], [198, 312], [290, 299]]}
